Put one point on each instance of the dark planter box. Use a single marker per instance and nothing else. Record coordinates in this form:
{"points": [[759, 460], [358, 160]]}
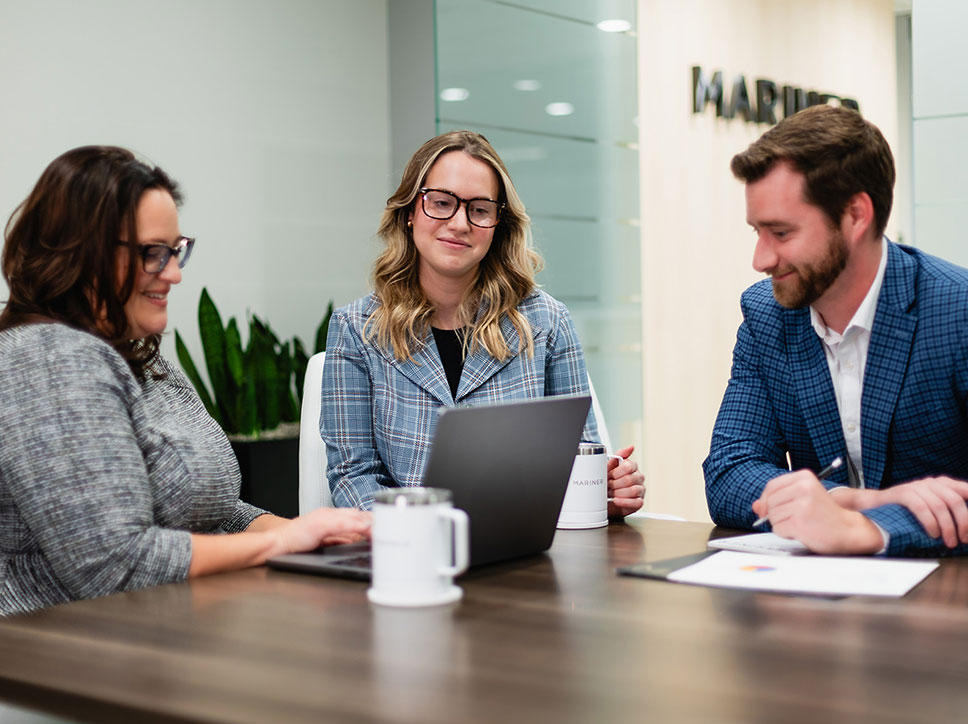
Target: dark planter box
{"points": [[270, 474]]}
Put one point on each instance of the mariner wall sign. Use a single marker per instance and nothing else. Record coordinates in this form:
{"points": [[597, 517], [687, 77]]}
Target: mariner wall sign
{"points": [[763, 106]]}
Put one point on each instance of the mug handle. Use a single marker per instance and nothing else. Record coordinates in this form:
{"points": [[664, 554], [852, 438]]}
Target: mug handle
{"points": [[461, 555]]}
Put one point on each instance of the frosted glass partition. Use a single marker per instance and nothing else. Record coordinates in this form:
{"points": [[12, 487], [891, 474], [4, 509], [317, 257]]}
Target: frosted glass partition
{"points": [[940, 123], [557, 98]]}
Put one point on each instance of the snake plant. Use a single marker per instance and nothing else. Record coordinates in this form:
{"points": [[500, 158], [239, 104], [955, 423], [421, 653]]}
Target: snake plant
{"points": [[255, 387]]}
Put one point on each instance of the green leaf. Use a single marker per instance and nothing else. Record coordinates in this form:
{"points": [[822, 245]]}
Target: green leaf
{"points": [[266, 331], [234, 357], [268, 373], [323, 330], [293, 408], [213, 343], [300, 360], [248, 408], [261, 358], [288, 410], [188, 365]]}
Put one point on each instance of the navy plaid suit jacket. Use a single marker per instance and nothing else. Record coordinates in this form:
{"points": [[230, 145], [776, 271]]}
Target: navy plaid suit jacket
{"points": [[780, 398], [379, 414]]}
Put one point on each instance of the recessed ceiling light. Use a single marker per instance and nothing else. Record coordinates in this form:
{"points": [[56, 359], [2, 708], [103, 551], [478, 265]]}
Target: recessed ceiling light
{"points": [[614, 26], [559, 109], [454, 94], [527, 85]]}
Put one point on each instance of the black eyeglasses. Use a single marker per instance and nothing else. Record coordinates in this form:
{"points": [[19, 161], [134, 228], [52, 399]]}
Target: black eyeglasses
{"points": [[155, 257], [439, 204]]}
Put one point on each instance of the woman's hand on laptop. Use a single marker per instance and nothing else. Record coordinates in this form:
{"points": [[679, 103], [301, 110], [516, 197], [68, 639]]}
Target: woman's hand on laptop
{"points": [[323, 526], [626, 485]]}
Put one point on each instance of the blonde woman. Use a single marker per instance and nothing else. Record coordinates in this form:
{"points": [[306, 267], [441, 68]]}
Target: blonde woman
{"points": [[454, 318]]}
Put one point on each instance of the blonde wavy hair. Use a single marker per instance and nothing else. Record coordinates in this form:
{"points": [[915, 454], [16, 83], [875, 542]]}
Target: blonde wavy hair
{"points": [[505, 276]]}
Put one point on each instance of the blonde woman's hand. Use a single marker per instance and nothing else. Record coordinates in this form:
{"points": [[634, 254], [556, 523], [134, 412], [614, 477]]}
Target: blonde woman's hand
{"points": [[626, 485]]}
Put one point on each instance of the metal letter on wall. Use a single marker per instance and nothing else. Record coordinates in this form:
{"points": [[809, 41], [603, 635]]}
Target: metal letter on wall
{"points": [[766, 98], [740, 100], [703, 92], [794, 99]]}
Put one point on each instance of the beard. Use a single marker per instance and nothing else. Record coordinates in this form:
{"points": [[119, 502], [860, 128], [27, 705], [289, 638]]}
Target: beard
{"points": [[811, 280]]}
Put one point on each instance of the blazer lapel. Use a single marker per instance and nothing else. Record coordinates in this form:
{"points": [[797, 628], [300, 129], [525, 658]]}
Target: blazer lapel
{"points": [[814, 389], [424, 369], [887, 361], [479, 367]]}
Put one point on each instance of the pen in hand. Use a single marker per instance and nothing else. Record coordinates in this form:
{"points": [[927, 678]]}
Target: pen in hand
{"points": [[834, 464]]}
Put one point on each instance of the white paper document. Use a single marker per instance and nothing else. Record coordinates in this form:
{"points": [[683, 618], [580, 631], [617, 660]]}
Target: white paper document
{"points": [[768, 543], [819, 575]]}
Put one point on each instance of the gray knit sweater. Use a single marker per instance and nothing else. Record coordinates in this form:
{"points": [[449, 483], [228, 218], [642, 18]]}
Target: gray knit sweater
{"points": [[101, 477]]}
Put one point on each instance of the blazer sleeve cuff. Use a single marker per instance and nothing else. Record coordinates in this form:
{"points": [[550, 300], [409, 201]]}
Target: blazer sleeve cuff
{"points": [[906, 537]]}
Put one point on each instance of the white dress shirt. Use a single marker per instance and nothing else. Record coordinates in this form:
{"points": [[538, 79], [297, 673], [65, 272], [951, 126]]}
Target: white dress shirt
{"points": [[847, 356]]}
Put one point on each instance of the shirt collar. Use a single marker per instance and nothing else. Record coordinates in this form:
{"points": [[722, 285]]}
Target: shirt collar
{"points": [[864, 316]]}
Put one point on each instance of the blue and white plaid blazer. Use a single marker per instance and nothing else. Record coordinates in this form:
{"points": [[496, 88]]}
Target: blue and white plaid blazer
{"points": [[780, 398], [379, 414]]}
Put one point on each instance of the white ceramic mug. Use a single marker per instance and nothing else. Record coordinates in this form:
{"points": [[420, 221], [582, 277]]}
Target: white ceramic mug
{"points": [[420, 542], [586, 500]]}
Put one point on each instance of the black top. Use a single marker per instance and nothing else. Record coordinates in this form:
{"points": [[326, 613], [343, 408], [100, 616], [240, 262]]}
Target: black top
{"points": [[450, 346]]}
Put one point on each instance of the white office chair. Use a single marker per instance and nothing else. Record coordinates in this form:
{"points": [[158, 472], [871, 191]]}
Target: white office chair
{"points": [[313, 485]]}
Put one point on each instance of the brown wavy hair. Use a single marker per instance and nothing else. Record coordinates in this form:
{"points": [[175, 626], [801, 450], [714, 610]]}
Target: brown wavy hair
{"points": [[505, 276], [60, 251], [839, 154]]}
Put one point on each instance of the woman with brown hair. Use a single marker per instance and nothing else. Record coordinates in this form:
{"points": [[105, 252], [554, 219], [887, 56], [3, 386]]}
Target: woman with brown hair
{"points": [[455, 317], [112, 475]]}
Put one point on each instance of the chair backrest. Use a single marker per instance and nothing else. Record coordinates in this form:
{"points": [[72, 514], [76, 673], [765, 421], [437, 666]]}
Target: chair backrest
{"points": [[313, 484], [599, 418]]}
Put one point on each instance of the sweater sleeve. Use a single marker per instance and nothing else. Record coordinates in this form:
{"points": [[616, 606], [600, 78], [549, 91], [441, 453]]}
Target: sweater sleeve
{"points": [[73, 468], [241, 517]]}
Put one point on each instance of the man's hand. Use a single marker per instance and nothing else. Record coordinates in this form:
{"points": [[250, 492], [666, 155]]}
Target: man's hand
{"points": [[937, 503], [626, 485], [799, 507]]}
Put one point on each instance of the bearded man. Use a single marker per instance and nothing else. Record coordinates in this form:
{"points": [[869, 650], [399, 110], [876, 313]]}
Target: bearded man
{"points": [[854, 348]]}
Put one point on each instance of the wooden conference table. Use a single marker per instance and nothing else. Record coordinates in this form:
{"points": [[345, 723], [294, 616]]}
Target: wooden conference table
{"points": [[558, 638]]}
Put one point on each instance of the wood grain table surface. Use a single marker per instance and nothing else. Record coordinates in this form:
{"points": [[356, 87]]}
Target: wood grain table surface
{"points": [[554, 638]]}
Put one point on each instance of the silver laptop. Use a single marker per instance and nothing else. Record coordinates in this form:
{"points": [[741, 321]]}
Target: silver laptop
{"points": [[507, 466]]}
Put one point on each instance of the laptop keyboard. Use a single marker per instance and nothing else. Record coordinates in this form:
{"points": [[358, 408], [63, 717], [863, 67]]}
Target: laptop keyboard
{"points": [[365, 561]]}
